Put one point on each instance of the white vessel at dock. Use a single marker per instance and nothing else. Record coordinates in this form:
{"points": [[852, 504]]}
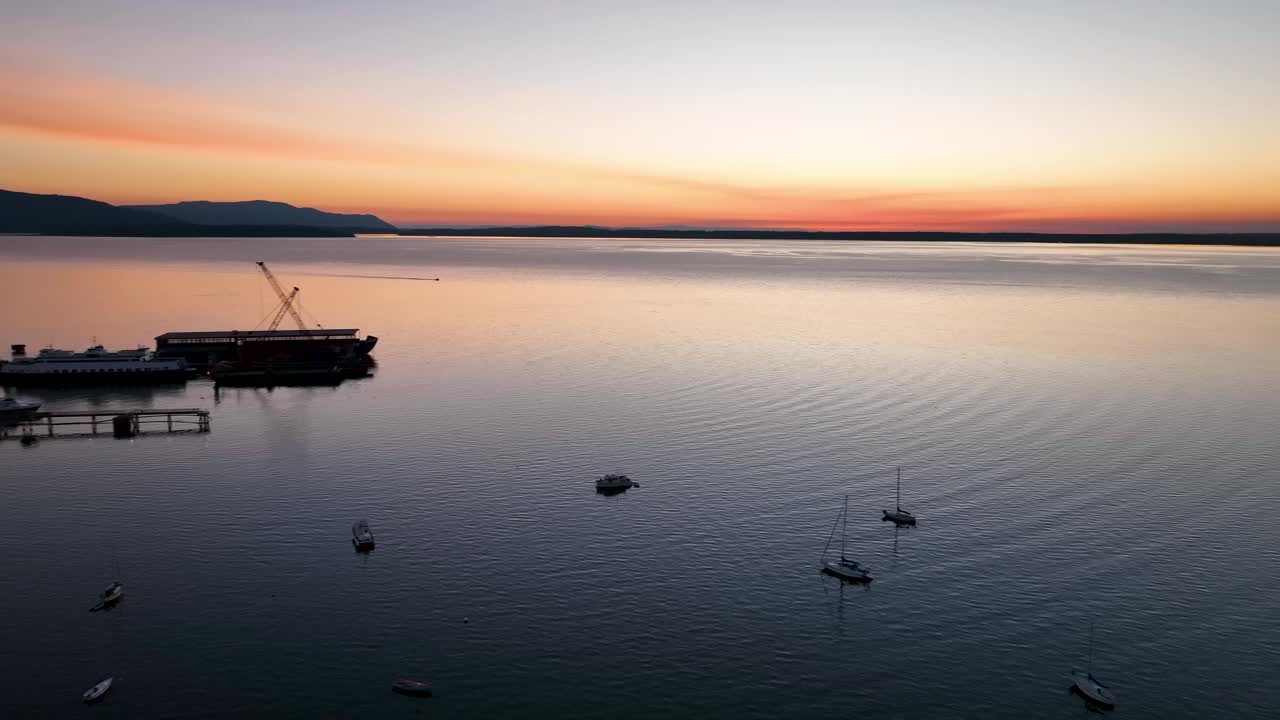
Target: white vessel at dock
{"points": [[97, 365]]}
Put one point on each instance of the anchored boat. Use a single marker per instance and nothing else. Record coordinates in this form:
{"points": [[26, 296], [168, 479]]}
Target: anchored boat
{"points": [[1090, 687], [899, 516], [844, 568], [413, 688], [614, 483], [95, 693], [109, 597], [361, 535]]}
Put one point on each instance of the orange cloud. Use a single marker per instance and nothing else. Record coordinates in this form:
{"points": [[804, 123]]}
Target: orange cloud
{"points": [[96, 109]]}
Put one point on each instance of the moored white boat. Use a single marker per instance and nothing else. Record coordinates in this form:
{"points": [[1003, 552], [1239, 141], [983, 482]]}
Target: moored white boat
{"points": [[361, 535], [114, 592], [110, 596], [1090, 687], [844, 568], [1093, 689], [899, 516], [96, 692], [416, 688], [848, 570]]}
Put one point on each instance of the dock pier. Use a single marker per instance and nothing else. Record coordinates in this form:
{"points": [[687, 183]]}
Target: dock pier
{"points": [[119, 423]]}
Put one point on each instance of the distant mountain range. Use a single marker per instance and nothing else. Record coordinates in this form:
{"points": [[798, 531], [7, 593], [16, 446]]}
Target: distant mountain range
{"points": [[68, 215], [26, 212], [262, 212]]}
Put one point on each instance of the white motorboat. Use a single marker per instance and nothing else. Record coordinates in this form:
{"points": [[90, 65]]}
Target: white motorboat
{"points": [[361, 535], [899, 516], [844, 568], [96, 692], [1089, 686]]}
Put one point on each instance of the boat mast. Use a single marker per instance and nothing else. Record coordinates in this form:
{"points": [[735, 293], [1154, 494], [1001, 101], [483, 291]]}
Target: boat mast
{"points": [[898, 499], [844, 523]]}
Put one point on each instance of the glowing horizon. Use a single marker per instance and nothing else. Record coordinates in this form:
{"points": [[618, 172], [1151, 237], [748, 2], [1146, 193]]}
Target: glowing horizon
{"points": [[921, 117]]}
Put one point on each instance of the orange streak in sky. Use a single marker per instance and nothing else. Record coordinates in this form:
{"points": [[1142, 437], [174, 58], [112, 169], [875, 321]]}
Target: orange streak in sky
{"points": [[80, 108]]}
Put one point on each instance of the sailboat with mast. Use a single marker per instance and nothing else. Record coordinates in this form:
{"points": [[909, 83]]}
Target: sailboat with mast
{"points": [[1089, 686], [112, 595], [899, 516], [844, 568]]}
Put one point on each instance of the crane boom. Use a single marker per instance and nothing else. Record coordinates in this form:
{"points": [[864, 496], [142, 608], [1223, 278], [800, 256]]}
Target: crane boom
{"points": [[286, 301], [287, 304]]}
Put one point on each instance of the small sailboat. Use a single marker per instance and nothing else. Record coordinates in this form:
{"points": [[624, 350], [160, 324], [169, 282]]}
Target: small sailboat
{"points": [[109, 597], [844, 568], [361, 535], [899, 516], [95, 693], [414, 688], [1089, 686]]}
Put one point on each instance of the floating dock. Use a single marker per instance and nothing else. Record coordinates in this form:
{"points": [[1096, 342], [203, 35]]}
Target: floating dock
{"points": [[118, 423]]}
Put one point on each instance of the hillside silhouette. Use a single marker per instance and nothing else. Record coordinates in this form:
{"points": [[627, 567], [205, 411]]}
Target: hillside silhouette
{"points": [[264, 212], [29, 212]]}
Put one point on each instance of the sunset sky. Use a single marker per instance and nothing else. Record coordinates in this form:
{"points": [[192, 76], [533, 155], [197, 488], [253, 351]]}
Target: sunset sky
{"points": [[1084, 116]]}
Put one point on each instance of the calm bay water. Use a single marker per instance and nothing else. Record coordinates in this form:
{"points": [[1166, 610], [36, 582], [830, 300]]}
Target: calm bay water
{"points": [[1085, 433]]}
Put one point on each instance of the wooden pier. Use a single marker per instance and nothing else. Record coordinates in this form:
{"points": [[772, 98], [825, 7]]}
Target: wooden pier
{"points": [[118, 423]]}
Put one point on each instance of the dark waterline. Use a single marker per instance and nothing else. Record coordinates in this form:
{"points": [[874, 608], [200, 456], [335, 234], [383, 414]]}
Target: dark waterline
{"points": [[1085, 433]]}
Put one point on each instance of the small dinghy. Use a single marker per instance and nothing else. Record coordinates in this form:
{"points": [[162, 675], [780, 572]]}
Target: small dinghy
{"points": [[109, 597], [95, 693], [413, 688], [361, 535]]}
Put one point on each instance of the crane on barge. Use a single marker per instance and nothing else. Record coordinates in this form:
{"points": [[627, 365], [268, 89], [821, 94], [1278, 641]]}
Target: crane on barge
{"points": [[286, 301]]}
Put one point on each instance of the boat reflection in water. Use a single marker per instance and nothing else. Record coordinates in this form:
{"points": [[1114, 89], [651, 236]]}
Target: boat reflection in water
{"points": [[251, 374]]}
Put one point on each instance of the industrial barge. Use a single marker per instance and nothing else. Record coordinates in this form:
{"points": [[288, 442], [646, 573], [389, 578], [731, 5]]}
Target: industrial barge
{"points": [[253, 351], [301, 356]]}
